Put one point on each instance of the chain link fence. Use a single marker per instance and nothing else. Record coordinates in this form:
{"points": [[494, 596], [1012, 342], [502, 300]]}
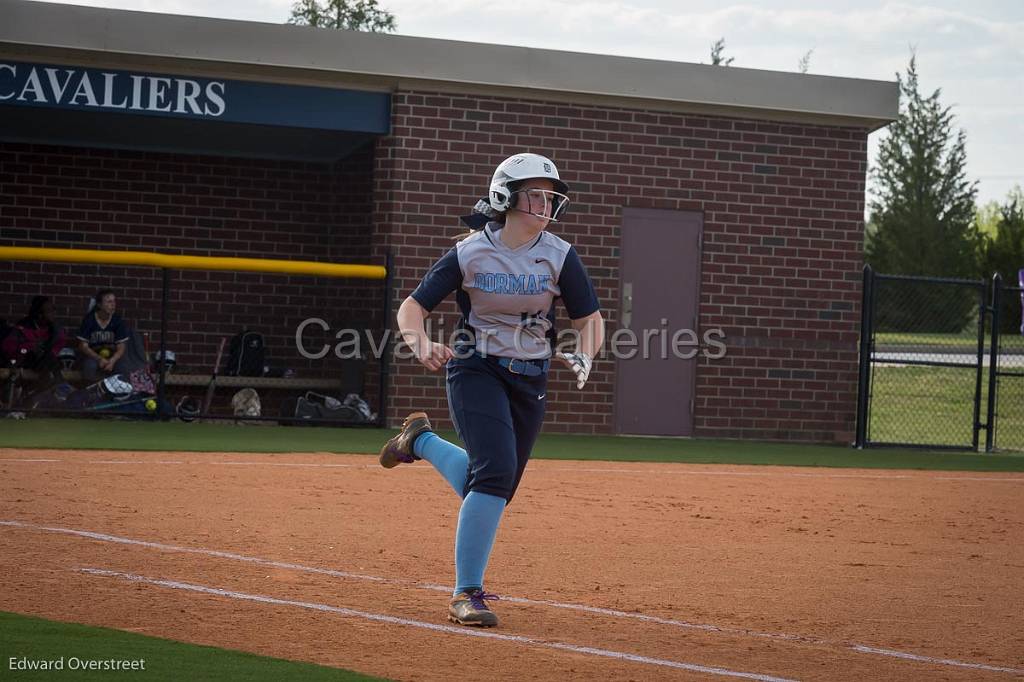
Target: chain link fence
{"points": [[1009, 375], [934, 353]]}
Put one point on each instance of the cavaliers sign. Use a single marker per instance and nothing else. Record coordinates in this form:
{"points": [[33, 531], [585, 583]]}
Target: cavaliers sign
{"points": [[58, 86], [69, 87]]}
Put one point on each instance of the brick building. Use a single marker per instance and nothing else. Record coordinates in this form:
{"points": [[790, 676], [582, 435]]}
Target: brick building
{"points": [[704, 198]]}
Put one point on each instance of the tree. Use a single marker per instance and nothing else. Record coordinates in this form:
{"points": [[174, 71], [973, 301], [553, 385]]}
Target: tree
{"points": [[987, 218], [1004, 253], [923, 212], [353, 15], [717, 48], [805, 61]]}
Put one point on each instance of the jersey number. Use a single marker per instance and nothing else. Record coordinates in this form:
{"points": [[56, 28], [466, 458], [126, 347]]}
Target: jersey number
{"points": [[527, 320]]}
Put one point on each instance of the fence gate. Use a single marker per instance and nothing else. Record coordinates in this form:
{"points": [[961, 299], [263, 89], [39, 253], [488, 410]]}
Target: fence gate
{"points": [[1008, 377], [941, 365]]}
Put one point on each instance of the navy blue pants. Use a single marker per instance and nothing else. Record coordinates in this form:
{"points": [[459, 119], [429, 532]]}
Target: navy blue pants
{"points": [[498, 415]]}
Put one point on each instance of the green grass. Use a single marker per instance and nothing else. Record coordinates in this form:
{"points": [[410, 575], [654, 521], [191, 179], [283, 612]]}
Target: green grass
{"points": [[92, 434], [929, 405], [924, 405], [959, 341], [37, 639]]}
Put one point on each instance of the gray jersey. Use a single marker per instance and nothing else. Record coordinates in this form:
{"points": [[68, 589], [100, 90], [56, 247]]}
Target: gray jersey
{"points": [[507, 295]]}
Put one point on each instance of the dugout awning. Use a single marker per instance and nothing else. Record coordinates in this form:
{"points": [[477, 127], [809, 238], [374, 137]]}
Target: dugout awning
{"points": [[138, 108]]}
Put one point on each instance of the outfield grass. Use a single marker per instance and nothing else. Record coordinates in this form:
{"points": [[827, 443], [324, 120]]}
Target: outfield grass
{"points": [[93, 434], [37, 639], [959, 341], [924, 405], [931, 405]]}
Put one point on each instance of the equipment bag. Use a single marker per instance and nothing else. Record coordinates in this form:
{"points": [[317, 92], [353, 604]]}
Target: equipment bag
{"points": [[246, 355], [317, 406]]}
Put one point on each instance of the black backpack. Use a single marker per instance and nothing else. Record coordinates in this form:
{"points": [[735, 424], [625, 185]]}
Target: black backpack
{"points": [[323, 407], [5, 329], [246, 355]]}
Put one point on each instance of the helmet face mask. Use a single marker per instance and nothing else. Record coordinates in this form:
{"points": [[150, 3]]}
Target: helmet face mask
{"points": [[511, 172], [542, 203]]}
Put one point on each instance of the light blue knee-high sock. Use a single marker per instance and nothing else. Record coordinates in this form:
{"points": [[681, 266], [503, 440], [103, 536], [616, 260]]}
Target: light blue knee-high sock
{"points": [[449, 459], [474, 539]]}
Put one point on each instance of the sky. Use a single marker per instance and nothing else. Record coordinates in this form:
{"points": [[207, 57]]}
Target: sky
{"points": [[973, 51]]}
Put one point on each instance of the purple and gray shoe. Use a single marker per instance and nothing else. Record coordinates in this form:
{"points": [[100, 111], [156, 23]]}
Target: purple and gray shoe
{"points": [[470, 608], [399, 450]]}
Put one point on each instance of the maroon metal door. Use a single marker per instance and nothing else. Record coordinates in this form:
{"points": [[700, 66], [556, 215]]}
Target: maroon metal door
{"points": [[659, 296]]}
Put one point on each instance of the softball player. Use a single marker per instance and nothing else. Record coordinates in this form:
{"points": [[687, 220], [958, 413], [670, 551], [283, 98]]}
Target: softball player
{"points": [[506, 275]]}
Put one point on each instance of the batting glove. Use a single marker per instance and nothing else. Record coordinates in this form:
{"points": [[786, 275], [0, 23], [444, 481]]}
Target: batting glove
{"points": [[579, 363]]}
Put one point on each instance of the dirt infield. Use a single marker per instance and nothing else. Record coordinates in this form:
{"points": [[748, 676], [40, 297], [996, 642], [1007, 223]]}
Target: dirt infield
{"points": [[610, 570]]}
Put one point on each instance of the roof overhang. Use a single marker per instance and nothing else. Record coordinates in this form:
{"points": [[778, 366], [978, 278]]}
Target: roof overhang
{"points": [[283, 53]]}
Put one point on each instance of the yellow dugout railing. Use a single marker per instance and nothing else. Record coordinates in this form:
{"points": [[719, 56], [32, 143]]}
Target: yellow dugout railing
{"points": [[162, 260]]}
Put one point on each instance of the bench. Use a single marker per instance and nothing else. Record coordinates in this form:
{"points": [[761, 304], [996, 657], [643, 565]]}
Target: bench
{"points": [[173, 379]]}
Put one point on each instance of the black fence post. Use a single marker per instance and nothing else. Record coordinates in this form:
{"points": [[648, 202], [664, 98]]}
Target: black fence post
{"points": [[864, 374], [980, 365], [165, 298], [386, 346], [993, 362]]}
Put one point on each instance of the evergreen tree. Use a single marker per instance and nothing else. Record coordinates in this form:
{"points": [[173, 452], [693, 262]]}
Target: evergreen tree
{"points": [[923, 214], [1005, 254], [353, 15], [805, 62], [987, 218], [717, 48]]}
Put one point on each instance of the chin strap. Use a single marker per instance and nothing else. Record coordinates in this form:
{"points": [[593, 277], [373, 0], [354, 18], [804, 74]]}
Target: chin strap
{"points": [[535, 215]]}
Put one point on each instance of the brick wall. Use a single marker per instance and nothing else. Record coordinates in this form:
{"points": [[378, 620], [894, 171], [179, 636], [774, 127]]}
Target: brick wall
{"points": [[208, 206], [783, 211], [782, 205]]}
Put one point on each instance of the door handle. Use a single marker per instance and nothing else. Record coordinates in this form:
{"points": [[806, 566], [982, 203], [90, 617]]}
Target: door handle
{"points": [[627, 304]]}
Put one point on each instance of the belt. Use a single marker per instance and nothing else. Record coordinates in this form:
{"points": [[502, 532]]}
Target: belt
{"points": [[529, 368]]}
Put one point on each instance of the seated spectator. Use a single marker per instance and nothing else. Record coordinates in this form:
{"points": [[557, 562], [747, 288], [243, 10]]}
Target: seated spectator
{"points": [[35, 341], [105, 343]]}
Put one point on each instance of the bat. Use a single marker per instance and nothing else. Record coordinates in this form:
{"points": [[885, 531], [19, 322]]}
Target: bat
{"points": [[213, 379], [131, 401]]}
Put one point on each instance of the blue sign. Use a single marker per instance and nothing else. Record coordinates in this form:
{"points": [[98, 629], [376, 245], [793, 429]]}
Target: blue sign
{"points": [[207, 99]]}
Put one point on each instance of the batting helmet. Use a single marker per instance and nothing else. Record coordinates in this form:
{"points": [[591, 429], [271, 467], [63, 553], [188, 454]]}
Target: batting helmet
{"points": [[518, 168], [169, 362], [188, 409], [66, 356]]}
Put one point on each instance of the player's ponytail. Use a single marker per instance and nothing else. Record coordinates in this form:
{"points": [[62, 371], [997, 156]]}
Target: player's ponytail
{"points": [[482, 214]]}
